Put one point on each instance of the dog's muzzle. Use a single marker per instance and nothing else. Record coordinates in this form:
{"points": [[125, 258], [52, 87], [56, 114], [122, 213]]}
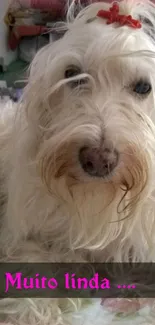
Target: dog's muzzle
{"points": [[98, 162]]}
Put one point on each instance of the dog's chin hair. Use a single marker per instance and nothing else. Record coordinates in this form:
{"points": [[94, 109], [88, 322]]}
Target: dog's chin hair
{"points": [[125, 192]]}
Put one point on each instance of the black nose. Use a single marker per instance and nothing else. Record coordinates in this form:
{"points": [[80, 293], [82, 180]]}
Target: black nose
{"points": [[98, 162]]}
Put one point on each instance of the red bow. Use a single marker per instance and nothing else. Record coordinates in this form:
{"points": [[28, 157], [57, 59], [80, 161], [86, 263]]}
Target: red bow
{"points": [[113, 16]]}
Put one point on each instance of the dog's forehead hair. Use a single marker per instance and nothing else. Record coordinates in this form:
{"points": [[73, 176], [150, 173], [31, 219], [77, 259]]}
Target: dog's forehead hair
{"points": [[82, 35], [100, 45], [87, 29]]}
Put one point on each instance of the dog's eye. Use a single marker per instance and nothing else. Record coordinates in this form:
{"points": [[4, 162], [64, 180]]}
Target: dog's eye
{"points": [[72, 72], [142, 88]]}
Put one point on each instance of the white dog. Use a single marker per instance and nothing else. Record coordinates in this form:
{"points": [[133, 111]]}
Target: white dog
{"points": [[78, 154]]}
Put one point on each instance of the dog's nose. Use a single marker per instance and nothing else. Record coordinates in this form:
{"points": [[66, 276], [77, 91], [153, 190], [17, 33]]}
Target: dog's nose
{"points": [[98, 162]]}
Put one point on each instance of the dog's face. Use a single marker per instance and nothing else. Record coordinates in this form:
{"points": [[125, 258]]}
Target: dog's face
{"points": [[95, 104]]}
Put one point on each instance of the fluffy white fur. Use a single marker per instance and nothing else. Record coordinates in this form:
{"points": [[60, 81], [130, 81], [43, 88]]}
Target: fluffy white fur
{"points": [[51, 210]]}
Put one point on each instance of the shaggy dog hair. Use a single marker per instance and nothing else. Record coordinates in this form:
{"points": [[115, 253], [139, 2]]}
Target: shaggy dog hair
{"points": [[77, 155]]}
